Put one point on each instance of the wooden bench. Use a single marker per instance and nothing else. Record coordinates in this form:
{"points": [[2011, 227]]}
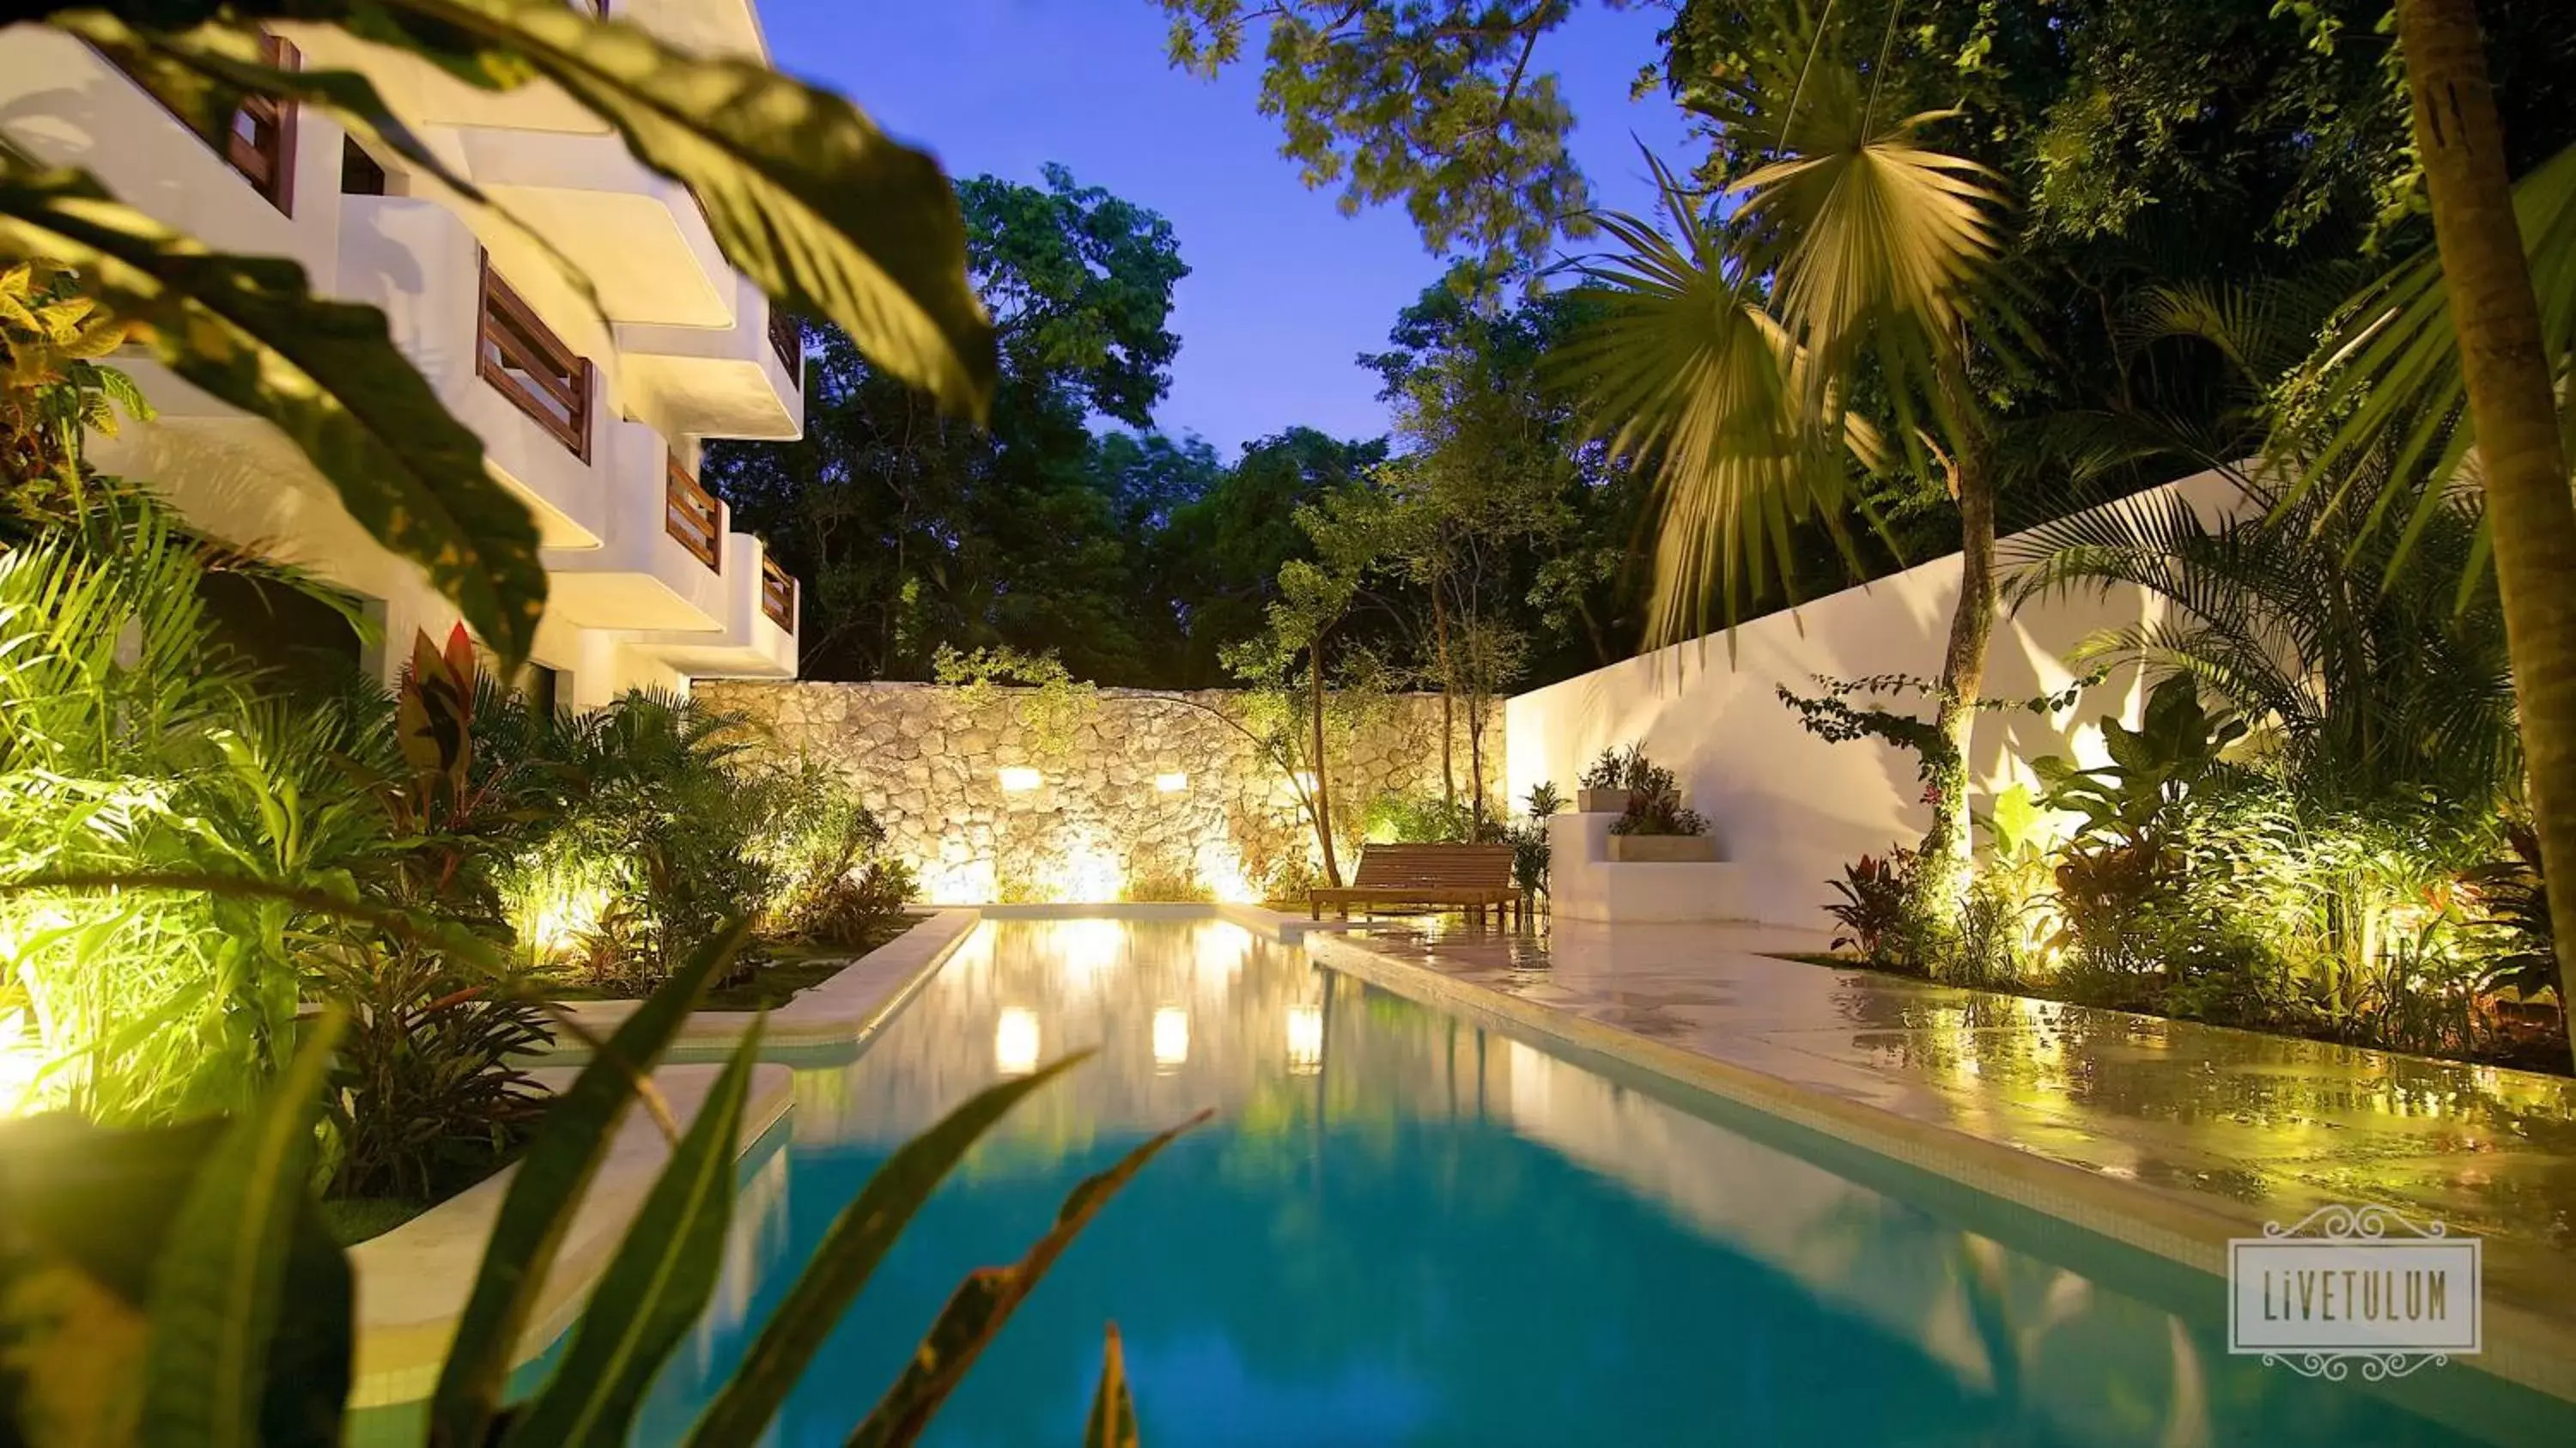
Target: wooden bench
{"points": [[1470, 877]]}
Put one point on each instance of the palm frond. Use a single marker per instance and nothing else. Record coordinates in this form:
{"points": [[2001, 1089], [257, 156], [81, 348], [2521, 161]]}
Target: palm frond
{"points": [[2387, 402], [1690, 376]]}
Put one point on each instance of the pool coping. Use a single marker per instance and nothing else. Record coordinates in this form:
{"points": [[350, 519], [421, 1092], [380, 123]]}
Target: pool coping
{"points": [[2521, 1347], [411, 1283]]}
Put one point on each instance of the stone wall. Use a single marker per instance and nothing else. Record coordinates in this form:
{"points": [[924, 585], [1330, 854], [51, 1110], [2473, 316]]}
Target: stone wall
{"points": [[1137, 794]]}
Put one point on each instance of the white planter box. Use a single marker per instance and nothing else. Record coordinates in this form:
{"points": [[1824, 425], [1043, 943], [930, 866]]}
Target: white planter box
{"points": [[1601, 801], [1663, 849]]}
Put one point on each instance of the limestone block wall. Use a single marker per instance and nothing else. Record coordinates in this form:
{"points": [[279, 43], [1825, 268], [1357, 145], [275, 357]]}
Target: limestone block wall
{"points": [[1137, 794]]}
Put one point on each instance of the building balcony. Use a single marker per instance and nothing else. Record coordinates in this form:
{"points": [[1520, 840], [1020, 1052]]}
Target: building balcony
{"points": [[267, 194], [746, 380], [639, 237], [757, 639], [418, 262], [661, 562]]}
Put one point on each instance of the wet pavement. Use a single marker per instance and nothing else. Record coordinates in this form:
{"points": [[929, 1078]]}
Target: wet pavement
{"points": [[2260, 1128]]}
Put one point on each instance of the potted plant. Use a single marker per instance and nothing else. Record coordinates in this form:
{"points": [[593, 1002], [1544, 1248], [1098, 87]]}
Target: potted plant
{"points": [[1654, 826], [1603, 789]]}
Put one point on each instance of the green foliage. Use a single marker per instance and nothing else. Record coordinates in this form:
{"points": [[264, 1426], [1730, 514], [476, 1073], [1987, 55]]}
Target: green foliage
{"points": [[803, 194], [1112, 1423], [2136, 798], [2388, 394], [1654, 800], [53, 389], [1054, 706], [654, 815], [183, 1247], [2371, 676], [133, 743], [1872, 910], [1611, 767], [1531, 851], [655, 1285], [1401, 818], [427, 1096], [913, 534], [1432, 104], [2516, 899], [1166, 886], [840, 890]]}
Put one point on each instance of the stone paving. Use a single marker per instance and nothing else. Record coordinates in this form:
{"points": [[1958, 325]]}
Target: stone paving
{"points": [[2257, 1128]]}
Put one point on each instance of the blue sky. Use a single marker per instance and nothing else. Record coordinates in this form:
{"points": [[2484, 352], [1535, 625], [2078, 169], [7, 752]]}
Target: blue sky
{"points": [[1283, 290]]}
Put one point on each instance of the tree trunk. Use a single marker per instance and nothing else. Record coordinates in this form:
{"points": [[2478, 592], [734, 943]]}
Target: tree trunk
{"points": [[2511, 404], [1947, 848], [1448, 698], [1476, 708], [1322, 792]]}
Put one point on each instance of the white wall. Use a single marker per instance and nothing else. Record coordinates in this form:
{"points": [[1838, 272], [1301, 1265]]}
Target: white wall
{"points": [[1792, 809]]}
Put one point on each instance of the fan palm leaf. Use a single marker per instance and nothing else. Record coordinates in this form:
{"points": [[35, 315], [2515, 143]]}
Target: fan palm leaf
{"points": [[1688, 374]]}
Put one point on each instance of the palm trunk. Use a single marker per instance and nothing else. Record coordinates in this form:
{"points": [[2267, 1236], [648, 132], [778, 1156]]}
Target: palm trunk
{"points": [[1322, 792], [1946, 854], [2529, 509]]}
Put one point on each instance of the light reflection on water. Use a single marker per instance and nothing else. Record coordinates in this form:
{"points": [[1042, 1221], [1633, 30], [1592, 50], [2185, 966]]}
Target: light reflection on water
{"points": [[1403, 1229]]}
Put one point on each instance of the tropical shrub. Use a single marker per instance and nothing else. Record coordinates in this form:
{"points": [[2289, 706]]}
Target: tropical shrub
{"points": [[1531, 852], [53, 392], [1166, 887], [425, 1097], [135, 746], [213, 1307], [2523, 941], [1871, 911], [1654, 800], [836, 885], [659, 832], [1397, 817], [1610, 768]]}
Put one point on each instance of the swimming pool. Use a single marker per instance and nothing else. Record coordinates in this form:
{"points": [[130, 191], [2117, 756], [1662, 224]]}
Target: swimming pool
{"points": [[1403, 1229]]}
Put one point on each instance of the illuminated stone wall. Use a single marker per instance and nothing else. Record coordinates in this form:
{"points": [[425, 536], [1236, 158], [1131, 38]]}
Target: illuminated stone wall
{"points": [[1142, 795]]}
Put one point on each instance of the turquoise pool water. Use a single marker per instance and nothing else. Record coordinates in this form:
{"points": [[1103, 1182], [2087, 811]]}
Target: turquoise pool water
{"points": [[1402, 1229]]}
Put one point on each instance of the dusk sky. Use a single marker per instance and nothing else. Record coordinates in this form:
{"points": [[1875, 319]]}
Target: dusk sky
{"points": [[1283, 290]]}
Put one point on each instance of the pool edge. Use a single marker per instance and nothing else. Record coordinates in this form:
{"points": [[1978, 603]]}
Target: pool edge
{"points": [[2522, 1347]]}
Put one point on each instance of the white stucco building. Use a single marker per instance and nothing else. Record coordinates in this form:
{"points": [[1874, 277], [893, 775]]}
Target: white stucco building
{"points": [[594, 418]]}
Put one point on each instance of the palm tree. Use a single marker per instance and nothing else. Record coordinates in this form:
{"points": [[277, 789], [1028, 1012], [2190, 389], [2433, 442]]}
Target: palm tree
{"points": [[2455, 351], [2362, 686], [1726, 359]]}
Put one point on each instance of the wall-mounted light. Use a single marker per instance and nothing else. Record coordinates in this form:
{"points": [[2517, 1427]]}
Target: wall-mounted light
{"points": [[1171, 783], [1020, 779], [1015, 1041]]}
